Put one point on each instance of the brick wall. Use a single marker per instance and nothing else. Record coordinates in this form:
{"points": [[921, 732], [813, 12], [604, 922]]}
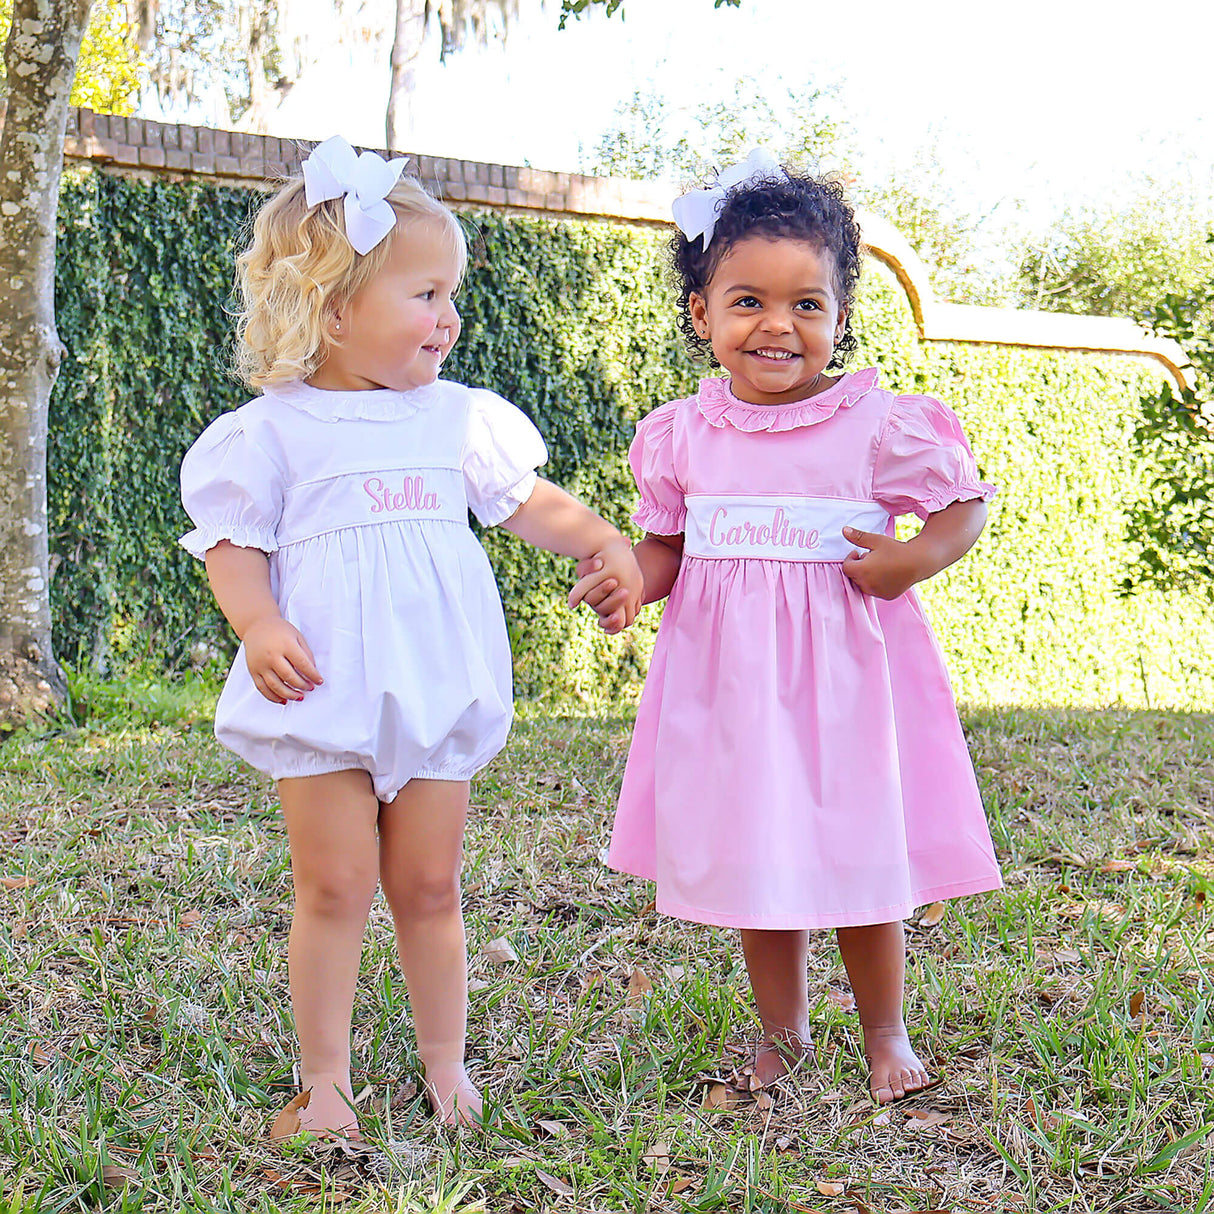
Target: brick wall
{"points": [[235, 158], [140, 146]]}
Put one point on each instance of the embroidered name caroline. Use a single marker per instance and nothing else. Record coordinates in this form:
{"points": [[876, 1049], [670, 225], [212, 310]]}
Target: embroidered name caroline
{"points": [[780, 532], [413, 495]]}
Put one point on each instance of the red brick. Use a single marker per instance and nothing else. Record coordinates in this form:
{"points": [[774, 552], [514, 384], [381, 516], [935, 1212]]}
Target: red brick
{"points": [[100, 149], [457, 190], [205, 141], [135, 135], [202, 162], [223, 143], [496, 196], [153, 157], [228, 166], [175, 158]]}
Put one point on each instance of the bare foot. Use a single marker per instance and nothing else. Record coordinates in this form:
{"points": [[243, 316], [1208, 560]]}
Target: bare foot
{"points": [[329, 1113], [894, 1068], [453, 1096], [780, 1056]]}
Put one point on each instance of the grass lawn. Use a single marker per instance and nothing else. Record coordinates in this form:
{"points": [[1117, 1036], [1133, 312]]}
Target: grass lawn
{"points": [[145, 1033]]}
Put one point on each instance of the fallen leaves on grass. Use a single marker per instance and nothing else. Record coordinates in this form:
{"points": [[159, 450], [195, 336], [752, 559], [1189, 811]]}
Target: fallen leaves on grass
{"points": [[40, 1053], [830, 1188], [554, 1129], [639, 988], [933, 915], [17, 882], [559, 1187], [115, 1176], [287, 1123], [845, 1001], [720, 1096], [658, 1156], [499, 951]]}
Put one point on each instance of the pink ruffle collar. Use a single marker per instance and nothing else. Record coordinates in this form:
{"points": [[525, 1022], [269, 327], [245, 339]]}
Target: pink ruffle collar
{"points": [[719, 407], [377, 405]]}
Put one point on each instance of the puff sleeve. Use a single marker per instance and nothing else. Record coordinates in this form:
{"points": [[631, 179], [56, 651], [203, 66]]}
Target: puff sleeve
{"points": [[662, 509], [231, 489], [924, 461], [502, 449]]}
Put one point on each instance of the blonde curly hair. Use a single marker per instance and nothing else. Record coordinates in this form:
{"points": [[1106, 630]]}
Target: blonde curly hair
{"points": [[299, 269]]}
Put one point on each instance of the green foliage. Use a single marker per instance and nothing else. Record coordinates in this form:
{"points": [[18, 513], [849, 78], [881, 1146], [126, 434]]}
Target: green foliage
{"points": [[655, 137], [1037, 612], [1123, 261], [575, 8], [107, 71], [1174, 524], [571, 320], [955, 244]]}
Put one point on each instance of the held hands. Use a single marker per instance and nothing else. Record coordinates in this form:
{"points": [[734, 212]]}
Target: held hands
{"points": [[610, 581], [887, 569], [279, 660]]}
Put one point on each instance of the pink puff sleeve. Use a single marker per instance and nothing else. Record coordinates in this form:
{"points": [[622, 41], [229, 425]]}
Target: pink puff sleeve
{"points": [[231, 490], [924, 461], [651, 456]]}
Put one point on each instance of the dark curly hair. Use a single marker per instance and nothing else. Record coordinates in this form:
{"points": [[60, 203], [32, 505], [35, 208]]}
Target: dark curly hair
{"points": [[813, 209]]}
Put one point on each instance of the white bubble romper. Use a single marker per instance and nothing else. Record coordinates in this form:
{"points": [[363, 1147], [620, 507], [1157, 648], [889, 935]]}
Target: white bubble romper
{"points": [[360, 500]]}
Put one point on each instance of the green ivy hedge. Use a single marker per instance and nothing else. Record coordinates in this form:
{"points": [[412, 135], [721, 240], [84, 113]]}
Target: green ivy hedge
{"points": [[571, 320]]}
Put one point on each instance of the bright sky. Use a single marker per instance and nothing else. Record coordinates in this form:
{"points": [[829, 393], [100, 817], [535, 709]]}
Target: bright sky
{"points": [[1048, 101]]}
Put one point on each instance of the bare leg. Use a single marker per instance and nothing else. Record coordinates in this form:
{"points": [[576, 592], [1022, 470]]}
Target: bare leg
{"points": [[331, 826], [776, 962], [421, 837], [875, 957]]}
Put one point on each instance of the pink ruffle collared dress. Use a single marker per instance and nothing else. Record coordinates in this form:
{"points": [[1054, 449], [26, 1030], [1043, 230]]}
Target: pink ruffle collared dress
{"points": [[797, 760]]}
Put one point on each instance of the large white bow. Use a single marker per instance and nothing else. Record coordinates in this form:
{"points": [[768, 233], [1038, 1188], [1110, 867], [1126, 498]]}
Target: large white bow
{"points": [[695, 213], [333, 170]]}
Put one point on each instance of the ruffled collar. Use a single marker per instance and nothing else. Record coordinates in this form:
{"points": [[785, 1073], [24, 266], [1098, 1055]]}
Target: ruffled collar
{"points": [[375, 405], [719, 406]]}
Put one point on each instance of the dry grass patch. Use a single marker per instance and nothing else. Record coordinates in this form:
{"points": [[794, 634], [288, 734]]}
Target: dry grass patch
{"points": [[145, 1027]]}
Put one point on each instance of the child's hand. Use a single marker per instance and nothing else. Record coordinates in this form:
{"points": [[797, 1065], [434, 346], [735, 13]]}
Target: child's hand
{"points": [[610, 581], [279, 660], [891, 567], [887, 570]]}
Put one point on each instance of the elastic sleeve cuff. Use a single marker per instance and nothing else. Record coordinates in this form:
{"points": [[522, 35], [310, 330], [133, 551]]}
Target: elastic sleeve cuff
{"points": [[659, 520], [202, 539], [490, 514], [971, 491]]}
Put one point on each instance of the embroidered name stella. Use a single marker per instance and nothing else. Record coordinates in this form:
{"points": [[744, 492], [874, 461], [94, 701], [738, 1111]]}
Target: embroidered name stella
{"points": [[413, 495], [779, 533]]}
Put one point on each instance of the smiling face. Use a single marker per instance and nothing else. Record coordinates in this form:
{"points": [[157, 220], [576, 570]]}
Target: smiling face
{"points": [[396, 331], [773, 317]]}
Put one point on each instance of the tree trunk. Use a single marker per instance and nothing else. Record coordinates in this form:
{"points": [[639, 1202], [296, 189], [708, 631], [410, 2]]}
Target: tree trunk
{"points": [[407, 45], [40, 62]]}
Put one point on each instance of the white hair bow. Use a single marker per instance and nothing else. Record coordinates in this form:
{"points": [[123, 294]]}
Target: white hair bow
{"points": [[695, 213], [334, 169]]}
